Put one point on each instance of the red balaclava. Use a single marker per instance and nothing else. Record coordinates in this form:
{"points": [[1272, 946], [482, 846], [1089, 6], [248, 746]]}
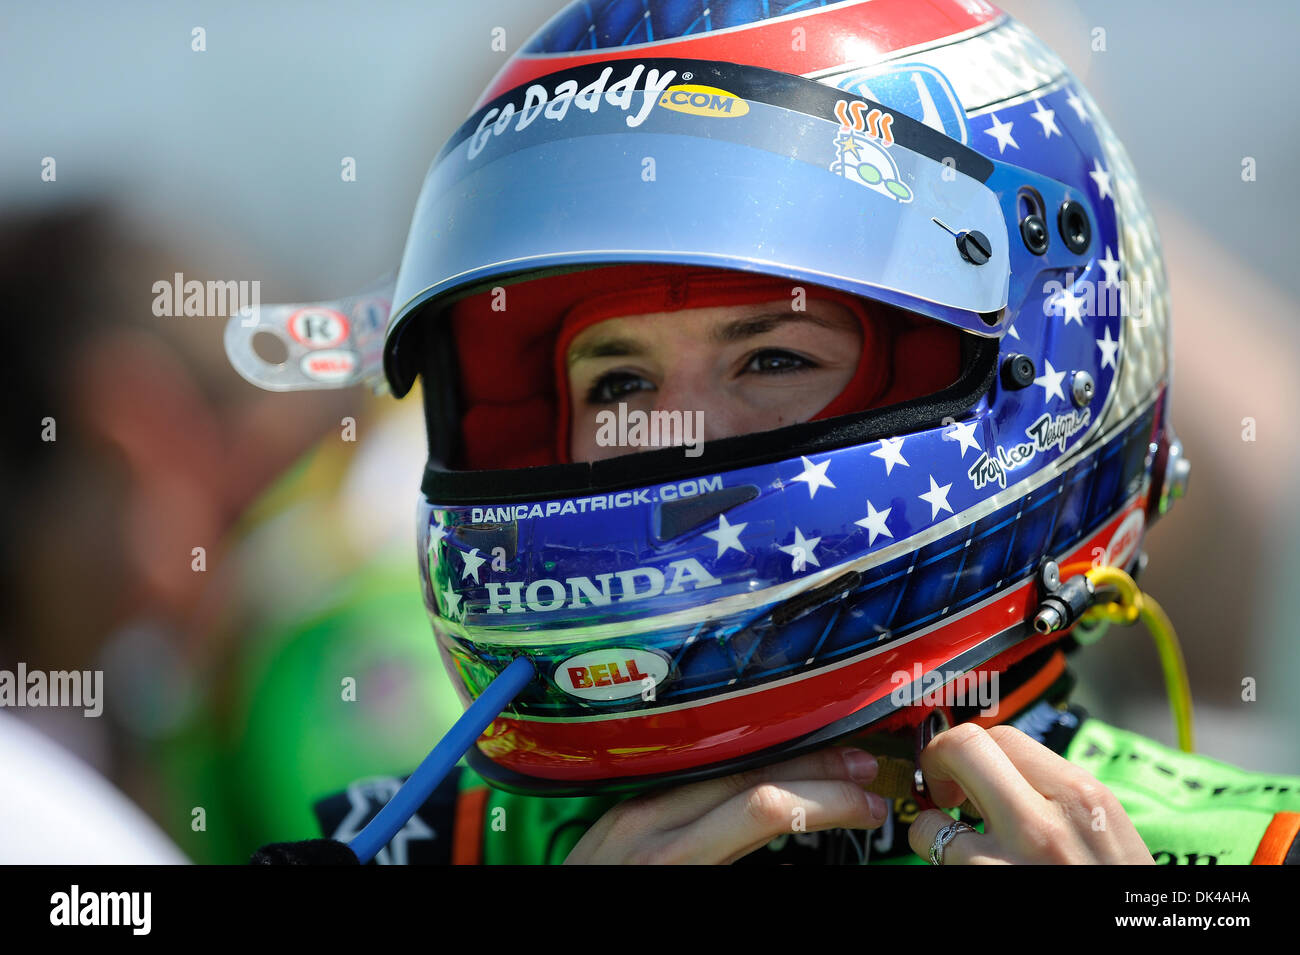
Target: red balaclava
{"points": [[708, 288], [513, 376]]}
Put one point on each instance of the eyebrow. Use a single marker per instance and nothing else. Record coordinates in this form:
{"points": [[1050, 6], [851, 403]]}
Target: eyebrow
{"points": [[743, 328], [606, 348], [735, 331]]}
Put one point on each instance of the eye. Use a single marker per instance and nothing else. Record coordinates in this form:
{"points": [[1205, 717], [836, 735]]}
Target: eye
{"points": [[773, 361], [616, 385]]}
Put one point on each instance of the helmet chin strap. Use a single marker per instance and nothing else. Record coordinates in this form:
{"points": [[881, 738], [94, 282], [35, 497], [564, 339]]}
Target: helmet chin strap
{"points": [[1110, 595], [900, 777]]}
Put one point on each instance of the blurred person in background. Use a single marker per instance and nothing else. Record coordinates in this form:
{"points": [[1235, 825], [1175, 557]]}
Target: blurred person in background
{"points": [[335, 679], [129, 443]]}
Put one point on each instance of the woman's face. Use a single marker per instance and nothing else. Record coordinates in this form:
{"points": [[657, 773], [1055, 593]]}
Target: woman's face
{"points": [[748, 368]]}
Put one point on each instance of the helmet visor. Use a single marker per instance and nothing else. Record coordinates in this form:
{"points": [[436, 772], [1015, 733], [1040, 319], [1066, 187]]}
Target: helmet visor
{"points": [[712, 164]]}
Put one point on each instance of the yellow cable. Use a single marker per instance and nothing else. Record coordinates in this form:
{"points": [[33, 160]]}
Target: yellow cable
{"points": [[1133, 605]]}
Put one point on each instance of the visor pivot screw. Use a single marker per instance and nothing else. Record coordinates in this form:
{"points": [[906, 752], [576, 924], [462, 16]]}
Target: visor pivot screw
{"points": [[1082, 388], [974, 247], [1034, 231], [1017, 372]]}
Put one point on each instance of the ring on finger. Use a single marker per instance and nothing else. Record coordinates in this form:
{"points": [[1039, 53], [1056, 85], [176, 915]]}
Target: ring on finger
{"points": [[945, 836]]}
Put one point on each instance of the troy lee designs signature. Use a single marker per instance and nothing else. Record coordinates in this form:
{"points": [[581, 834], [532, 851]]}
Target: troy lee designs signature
{"points": [[1043, 434]]}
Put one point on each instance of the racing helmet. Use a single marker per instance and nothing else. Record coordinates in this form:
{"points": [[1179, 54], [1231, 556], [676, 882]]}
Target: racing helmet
{"points": [[688, 616]]}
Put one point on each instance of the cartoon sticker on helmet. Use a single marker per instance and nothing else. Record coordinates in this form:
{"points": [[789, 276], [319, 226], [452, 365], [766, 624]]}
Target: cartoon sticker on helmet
{"points": [[917, 90], [861, 156]]}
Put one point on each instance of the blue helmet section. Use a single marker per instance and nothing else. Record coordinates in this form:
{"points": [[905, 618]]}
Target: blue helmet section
{"points": [[724, 587], [585, 572], [600, 24], [935, 521]]}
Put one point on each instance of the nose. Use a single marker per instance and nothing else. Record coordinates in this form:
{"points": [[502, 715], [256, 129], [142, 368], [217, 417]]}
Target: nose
{"points": [[720, 414]]}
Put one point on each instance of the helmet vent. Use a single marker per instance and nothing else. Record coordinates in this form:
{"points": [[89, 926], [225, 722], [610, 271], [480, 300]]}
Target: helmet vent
{"points": [[675, 518]]}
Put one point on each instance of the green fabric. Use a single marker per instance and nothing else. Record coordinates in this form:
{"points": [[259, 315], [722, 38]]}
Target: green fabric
{"points": [[300, 740], [533, 830], [287, 737], [1189, 809]]}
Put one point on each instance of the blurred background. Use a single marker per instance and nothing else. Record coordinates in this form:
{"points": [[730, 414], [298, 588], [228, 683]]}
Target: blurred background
{"points": [[222, 684]]}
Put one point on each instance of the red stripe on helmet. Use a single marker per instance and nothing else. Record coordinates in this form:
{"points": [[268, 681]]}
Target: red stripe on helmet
{"points": [[843, 34], [656, 741]]}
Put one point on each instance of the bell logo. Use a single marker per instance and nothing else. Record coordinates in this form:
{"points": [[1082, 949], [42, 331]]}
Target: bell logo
{"points": [[334, 365], [603, 674], [610, 674]]}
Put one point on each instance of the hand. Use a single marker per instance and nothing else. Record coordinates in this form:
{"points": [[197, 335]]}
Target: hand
{"points": [[1038, 808], [720, 820]]}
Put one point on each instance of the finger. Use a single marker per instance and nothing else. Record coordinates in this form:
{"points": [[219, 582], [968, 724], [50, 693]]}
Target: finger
{"points": [[1042, 768], [966, 848], [966, 761], [1094, 814], [694, 800], [751, 819], [1053, 776]]}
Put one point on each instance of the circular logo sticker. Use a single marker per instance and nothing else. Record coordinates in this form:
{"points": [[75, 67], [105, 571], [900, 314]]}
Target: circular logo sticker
{"points": [[318, 327]]}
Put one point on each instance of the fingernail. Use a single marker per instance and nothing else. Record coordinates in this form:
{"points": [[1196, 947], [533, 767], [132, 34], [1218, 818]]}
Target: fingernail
{"points": [[860, 765], [878, 806]]}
